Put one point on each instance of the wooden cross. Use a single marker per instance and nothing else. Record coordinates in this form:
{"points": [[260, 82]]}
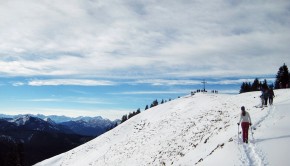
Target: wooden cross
{"points": [[204, 82]]}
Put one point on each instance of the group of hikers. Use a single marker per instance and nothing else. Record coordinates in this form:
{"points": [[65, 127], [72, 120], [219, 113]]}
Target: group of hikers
{"points": [[245, 119], [214, 91], [267, 94], [198, 91]]}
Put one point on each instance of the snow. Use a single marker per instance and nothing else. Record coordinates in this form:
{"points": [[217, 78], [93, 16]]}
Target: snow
{"points": [[21, 120], [274, 134], [49, 121], [193, 130]]}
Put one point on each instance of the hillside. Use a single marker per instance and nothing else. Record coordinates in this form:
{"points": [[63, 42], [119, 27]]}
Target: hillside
{"points": [[26, 140], [200, 129]]}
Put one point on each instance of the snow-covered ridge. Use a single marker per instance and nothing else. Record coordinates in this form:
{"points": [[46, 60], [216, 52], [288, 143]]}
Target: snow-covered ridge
{"points": [[48, 120], [21, 120], [200, 129], [55, 118], [87, 126]]}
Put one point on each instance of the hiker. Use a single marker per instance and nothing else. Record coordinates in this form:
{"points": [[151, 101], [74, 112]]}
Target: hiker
{"points": [[271, 96], [262, 98], [246, 123], [192, 93], [266, 96]]}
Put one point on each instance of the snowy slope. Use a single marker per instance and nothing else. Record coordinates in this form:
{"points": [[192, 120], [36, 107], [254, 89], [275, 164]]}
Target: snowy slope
{"points": [[200, 129]]}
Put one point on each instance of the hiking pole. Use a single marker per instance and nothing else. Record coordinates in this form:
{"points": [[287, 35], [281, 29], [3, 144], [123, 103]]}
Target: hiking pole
{"points": [[238, 132], [252, 134]]}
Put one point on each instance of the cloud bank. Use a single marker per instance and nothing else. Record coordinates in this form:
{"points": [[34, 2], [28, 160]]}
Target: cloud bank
{"points": [[142, 39], [77, 82]]}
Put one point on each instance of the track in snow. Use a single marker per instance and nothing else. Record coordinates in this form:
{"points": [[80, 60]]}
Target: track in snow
{"points": [[251, 153]]}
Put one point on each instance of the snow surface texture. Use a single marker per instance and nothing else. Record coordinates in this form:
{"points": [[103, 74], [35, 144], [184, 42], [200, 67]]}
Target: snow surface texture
{"points": [[193, 130]]}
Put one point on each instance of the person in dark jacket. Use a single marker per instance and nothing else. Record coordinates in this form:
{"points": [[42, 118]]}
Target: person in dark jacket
{"points": [[271, 96], [266, 96], [262, 98]]}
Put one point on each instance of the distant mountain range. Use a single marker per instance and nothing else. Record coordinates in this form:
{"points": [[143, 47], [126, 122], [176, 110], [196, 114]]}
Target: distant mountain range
{"points": [[55, 118], [27, 139], [87, 126]]}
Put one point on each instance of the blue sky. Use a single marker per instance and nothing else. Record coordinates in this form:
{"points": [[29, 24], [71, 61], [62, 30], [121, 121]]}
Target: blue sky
{"points": [[111, 57]]}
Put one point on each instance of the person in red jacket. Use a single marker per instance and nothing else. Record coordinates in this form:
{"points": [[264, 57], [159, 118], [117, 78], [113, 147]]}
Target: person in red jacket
{"points": [[246, 123]]}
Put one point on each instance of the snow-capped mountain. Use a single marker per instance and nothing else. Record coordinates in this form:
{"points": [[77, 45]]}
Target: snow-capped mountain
{"points": [[25, 138], [61, 119], [58, 119], [48, 120], [193, 130], [24, 119], [88, 126], [27, 122]]}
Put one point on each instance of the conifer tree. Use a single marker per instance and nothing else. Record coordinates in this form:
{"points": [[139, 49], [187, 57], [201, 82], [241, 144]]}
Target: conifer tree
{"points": [[243, 87], [155, 103], [282, 77], [248, 87], [255, 85], [130, 115], [124, 118]]}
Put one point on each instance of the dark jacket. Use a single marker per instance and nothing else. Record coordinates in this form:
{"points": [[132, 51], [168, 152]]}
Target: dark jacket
{"points": [[266, 93], [271, 93]]}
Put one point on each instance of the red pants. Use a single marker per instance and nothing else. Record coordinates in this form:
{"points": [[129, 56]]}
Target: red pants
{"points": [[245, 128]]}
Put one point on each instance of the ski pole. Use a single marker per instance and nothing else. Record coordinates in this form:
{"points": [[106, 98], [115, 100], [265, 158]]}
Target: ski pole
{"points": [[238, 132], [252, 134]]}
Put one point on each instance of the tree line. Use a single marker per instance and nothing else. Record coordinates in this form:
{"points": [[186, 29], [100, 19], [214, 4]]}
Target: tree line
{"points": [[282, 81], [255, 86], [153, 104]]}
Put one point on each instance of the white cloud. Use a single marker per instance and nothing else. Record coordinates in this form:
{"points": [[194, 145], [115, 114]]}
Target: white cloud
{"points": [[45, 100], [153, 82], [166, 82], [80, 100], [18, 83], [77, 82], [239, 81], [170, 82], [152, 92], [143, 39]]}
